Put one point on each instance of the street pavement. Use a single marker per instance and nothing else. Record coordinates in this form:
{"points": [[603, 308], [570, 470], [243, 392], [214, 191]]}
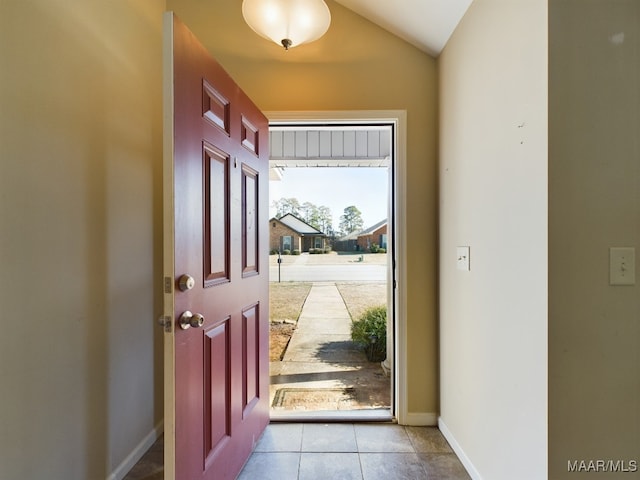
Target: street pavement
{"points": [[360, 272]]}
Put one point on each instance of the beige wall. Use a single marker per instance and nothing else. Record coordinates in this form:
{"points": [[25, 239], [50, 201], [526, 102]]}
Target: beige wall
{"points": [[594, 169], [493, 198], [80, 248], [355, 66]]}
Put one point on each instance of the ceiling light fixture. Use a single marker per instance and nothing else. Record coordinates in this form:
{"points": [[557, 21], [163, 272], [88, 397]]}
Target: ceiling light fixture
{"points": [[287, 22]]}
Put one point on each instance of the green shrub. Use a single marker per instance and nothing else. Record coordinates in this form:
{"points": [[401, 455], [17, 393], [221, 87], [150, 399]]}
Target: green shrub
{"points": [[375, 248], [369, 332], [286, 252], [296, 252], [273, 251]]}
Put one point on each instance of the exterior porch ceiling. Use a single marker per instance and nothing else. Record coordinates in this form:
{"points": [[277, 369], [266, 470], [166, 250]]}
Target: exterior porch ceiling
{"points": [[329, 162], [337, 146]]}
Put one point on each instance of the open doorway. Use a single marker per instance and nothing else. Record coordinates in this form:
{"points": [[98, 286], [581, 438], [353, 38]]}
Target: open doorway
{"points": [[336, 272]]}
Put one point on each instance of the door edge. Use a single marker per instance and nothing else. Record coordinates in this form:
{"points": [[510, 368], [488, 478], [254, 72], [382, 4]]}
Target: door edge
{"points": [[168, 245]]}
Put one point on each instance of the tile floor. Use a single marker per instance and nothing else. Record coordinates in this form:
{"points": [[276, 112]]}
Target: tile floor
{"points": [[344, 451], [151, 465], [336, 451]]}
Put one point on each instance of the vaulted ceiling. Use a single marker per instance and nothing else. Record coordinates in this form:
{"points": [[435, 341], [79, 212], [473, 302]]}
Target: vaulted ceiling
{"points": [[426, 24]]}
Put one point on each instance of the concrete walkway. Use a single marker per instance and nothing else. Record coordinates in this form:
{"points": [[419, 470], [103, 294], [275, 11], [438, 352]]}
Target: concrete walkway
{"points": [[322, 369], [323, 329]]}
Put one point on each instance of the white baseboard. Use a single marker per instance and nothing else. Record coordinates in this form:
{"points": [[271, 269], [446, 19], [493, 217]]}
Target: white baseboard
{"points": [[423, 419], [473, 473], [137, 453]]}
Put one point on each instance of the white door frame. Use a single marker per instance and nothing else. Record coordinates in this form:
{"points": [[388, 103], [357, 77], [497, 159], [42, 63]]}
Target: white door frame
{"points": [[399, 119]]}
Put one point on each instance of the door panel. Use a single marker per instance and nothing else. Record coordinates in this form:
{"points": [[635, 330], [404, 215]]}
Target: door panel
{"points": [[250, 239], [217, 390], [219, 379], [215, 107], [216, 216], [251, 346]]}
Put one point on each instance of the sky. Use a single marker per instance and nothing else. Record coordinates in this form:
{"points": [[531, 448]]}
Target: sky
{"points": [[336, 188]]}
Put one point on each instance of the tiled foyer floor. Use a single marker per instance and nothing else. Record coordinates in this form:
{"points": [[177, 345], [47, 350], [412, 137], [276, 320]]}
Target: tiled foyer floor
{"points": [[316, 451], [337, 451]]}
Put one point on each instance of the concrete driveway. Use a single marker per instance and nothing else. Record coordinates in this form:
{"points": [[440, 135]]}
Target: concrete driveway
{"points": [[329, 267]]}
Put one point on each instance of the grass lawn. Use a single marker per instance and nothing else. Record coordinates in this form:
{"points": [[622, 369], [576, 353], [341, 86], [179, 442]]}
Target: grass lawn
{"points": [[286, 300], [285, 304], [360, 296]]}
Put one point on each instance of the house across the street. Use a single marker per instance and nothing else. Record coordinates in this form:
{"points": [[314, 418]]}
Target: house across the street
{"points": [[363, 240], [291, 233], [376, 234]]}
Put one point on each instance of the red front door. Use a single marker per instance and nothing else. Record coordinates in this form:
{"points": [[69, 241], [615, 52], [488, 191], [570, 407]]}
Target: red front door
{"points": [[216, 280]]}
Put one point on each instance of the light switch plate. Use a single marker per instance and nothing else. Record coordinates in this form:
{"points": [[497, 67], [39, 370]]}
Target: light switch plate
{"points": [[463, 261], [622, 266]]}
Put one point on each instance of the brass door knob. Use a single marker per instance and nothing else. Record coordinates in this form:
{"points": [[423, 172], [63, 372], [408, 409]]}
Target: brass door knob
{"points": [[188, 319]]}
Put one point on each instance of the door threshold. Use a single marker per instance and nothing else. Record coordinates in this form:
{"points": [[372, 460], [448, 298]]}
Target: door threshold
{"points": [[372, 415]]}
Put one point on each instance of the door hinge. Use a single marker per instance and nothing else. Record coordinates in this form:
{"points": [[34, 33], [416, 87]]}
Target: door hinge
{"points": [[165, 322]]}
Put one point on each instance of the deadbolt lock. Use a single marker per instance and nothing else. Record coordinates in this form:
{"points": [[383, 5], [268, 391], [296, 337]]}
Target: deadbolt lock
{"points": [[186, 282]]}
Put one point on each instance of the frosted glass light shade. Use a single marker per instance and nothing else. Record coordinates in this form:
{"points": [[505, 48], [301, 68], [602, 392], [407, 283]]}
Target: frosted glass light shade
{"points": [[287, 22]]}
